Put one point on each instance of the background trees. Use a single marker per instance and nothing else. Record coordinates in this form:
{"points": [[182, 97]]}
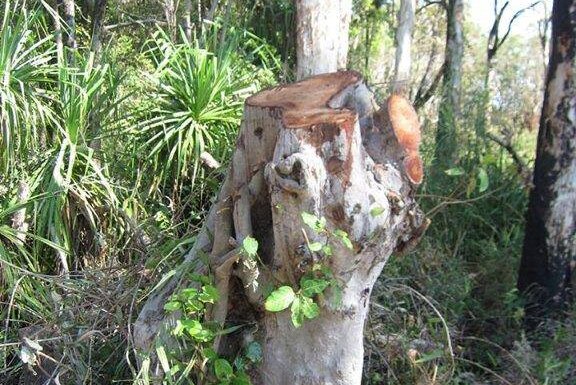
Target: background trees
{"points": [[107, 222]]}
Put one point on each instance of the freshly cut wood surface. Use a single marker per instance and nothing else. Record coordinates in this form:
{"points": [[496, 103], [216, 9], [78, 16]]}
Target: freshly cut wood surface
{"points": [[306, 102]]}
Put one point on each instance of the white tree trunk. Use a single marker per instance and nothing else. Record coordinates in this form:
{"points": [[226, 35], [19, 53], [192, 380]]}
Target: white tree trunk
{"points": [[316, 146], [406, 16], [322, 29]]}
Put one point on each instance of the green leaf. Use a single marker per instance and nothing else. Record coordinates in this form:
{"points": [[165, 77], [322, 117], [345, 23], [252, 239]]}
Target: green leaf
{"points": [[327, 250], [223, 369], [209, 353], [209, 294], [315, 246], [296, 313], [430, 356], [178, 329], [194, 305], [241, 379], [310, 287], [280, 299], [310, 309], [172, 305], [343, 236], [312, 221], [456, 171], [163, 358], [250, 246], [188, 293], [192, 326], [483, 179], [375, 211], [254, 352], [204, 335]]}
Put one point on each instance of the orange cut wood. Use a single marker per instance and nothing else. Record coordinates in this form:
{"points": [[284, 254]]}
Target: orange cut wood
{"points": [[414, 168], [404, 122]]}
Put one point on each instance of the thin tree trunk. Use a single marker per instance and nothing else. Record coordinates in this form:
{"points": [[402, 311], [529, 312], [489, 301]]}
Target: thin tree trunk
{"points": [[406, 16], [449, 108], [317, 147], [546, 275], [170, 16], [212, 10], [322, 36], [188, 20], [67, 8], [19, 217], [97, 26], [57, 31]]}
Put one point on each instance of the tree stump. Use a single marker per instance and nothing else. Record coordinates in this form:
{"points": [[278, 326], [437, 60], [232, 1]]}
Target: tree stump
{"points": [[319, 148]]}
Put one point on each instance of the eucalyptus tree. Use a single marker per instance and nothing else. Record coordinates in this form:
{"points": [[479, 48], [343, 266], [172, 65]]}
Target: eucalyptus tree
{"points": [[406, 16], [449, 107], [322, 36], [546, 275]]}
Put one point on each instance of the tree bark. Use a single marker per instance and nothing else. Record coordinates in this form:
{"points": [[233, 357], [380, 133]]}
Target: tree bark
{"points": [[19, 217], [170, 16], [68, 9], [450, 105], [406, 16], [98, 26], [187, 22], [546, 275], [316, 146], [322, 36]]}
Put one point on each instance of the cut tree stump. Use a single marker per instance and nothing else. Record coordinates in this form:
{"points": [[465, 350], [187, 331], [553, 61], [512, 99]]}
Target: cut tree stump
{"points": [[320, 146]]}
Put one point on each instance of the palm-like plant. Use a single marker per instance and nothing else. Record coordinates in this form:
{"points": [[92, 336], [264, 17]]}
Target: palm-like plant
{"points": [[26, 66], [79, 197], [198, 107]]}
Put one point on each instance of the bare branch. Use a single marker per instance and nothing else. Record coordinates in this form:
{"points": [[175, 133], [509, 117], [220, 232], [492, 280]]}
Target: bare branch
{"points": [[516, 15], [134, 22], [423, 97], [523, 169], [441, 3]]}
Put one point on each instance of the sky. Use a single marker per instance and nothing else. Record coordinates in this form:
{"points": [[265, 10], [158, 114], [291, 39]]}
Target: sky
{"points": [[482, 12]]}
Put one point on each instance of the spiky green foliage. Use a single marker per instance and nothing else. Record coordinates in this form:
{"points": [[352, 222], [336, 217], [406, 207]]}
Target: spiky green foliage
{"points": [[198, 107], [80, 198], [26, 68]]}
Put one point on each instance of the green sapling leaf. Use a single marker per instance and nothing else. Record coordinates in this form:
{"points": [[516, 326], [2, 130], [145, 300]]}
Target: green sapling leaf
{"points": [[250, 246], [223, 369], [315, 246], [310, 309], [376, 211], [483, 179], [310, 287], [172, 305], [209, 294], [456, 171], [280, 299], [296, 313]]}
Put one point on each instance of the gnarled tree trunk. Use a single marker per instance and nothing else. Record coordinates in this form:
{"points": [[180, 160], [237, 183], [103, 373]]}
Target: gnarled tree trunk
{"points": [[316, 146]]}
